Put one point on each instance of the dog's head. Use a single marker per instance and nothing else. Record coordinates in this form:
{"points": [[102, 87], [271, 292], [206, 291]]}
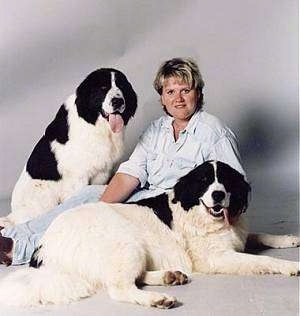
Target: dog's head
{"points": [[221, 189], [106, 94]]}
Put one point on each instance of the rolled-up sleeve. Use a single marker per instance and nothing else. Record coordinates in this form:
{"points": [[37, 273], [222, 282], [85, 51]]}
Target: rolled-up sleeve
{"points": [[136, 165], [226, 150]]}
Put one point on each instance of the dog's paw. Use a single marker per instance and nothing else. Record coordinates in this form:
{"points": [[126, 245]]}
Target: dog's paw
{"points": [[296, 273], [175, 278], [288, 241], [291, 268], [163, 301]]}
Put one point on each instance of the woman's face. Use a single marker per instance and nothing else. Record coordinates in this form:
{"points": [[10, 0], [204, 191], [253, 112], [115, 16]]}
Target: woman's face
{"points": [[179, 99]]}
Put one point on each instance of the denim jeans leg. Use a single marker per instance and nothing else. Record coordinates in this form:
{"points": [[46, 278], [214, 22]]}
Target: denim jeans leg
{"points": [[26, 236]]}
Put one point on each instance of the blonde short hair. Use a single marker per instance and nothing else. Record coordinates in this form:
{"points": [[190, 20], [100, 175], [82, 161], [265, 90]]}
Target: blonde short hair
{"points": [[183, 68]]}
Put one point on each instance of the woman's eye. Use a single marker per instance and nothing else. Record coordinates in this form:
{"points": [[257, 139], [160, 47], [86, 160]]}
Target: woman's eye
{"points": [[186, 91], [170, 92]]}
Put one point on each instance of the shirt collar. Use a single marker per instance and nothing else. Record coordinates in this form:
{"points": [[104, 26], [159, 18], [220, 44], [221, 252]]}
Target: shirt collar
{"points": [[190, 128]]}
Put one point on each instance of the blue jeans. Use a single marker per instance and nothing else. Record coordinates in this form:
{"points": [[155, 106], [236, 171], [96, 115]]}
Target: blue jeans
{"points": [[26, 236]]}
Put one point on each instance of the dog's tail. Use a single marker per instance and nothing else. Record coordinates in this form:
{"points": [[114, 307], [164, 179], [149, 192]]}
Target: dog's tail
{"points": [[31, 287]]}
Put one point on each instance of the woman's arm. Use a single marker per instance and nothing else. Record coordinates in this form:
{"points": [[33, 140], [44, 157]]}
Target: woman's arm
{"points": [[131, 173], [119, 188]]}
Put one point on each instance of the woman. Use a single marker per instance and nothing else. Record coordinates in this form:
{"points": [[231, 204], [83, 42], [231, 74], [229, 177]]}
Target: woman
{"points": [[169, 148]]}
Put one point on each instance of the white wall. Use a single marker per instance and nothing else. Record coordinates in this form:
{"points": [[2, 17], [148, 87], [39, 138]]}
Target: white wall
{"points": [[247, 51]]}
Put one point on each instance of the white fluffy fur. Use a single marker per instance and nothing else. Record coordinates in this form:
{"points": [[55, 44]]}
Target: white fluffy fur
{"points": [[113, 245], [90, 153]]}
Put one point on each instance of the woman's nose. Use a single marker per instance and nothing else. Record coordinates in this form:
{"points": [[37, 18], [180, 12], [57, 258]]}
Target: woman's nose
{"points": [[178, 96]]}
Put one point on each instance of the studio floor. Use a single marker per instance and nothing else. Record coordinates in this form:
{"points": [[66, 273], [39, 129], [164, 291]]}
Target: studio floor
{"points": [[214, 295]]}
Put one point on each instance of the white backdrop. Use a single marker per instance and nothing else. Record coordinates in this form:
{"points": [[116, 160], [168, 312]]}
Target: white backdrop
{"points": [[247, 51]]}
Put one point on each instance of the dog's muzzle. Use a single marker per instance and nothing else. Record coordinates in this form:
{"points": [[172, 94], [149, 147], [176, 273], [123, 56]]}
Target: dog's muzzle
{"points": [[117, 103], [216, 210]]}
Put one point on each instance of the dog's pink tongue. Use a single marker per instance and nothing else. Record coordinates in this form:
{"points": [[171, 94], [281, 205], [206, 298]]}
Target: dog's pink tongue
{"points": [[116, 122], [226, 216]]}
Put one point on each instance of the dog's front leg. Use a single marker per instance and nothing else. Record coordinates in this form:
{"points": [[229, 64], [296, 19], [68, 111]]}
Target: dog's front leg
{"points": [[164, 277], [273, 241], [130, 293], [246, 264]]}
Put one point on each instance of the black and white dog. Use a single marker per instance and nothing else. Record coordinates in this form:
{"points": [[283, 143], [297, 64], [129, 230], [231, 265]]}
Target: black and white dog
{"points": [[81, 145], [197, 227]]}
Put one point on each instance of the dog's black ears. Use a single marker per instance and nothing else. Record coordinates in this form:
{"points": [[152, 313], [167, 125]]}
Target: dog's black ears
{"points": [[92, 80], [236, 184], [186, 193], [85, 107], [239, 198], [83, 89], [193, 185], [130, 100]]}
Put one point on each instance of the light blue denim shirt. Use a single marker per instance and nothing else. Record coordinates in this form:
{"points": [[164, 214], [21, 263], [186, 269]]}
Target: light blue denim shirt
{"points": [[158, 161]]}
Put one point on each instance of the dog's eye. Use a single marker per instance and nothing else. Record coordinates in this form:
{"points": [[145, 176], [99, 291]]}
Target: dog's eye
{"points": [[104, 88], [204, 179]]}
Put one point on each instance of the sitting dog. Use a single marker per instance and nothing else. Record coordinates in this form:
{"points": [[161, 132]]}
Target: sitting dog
{"points": [[197, 227], [81, 145]]}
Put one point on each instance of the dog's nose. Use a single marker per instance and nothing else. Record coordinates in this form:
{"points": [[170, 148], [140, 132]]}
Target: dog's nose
{"points": [[218, 196], [117, 102]]}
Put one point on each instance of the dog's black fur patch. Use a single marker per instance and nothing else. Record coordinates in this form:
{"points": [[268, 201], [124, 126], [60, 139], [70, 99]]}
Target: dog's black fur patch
{"points": [[58, 129], [34, 261], [129, 95], [91, 93], [192, 186], [42, 163], [160, 206], [235, 183]]}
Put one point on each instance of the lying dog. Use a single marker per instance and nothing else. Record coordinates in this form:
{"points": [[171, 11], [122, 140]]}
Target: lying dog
{"points": [[197, 227], [81, 145]]}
